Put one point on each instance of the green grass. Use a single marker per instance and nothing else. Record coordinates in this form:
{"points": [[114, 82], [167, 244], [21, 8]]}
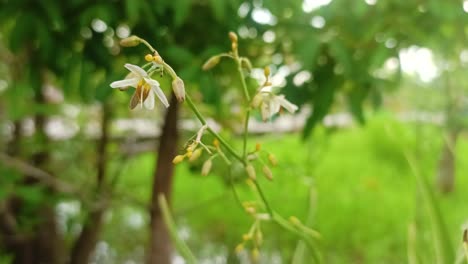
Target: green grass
{"points": [[365, 193]]}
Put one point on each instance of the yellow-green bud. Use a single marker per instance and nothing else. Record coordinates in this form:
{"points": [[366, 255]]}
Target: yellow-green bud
{"points": [[178, 159], [250, 171], [196, 154], [211, 63], [206, 168], [255, 255], [149, 57], [259, 237], [233, 37], [257, 100], [246, 64], [294, 220], [266, 71], [131, 41], [239, 248], [272, 159], [179, 89], [267, 173]]}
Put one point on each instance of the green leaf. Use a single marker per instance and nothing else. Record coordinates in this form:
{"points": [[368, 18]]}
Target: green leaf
{"points": [[219, 9], [181, 10]]}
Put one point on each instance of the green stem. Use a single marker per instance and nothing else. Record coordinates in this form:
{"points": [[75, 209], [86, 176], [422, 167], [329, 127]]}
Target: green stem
{"points": [[267, 205], [169, 221], [202, 120], [246, 128]]}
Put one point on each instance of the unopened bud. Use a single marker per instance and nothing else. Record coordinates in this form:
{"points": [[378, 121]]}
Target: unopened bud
{"points": [[255, 255], [149, 57], [211, 63], [250, 171], [131, 41], [239, 248], [258, 147], [234, 46], [246, 64], [294, 220], [216, 143], [178, 159], [179, 89], [267, 173], [259, 237], [158, 59], [250, 209], [233, 37], [246, 237], [266, 71], [206, 168], [257, 100], [272, 159], [189, 153], [196, 154]]}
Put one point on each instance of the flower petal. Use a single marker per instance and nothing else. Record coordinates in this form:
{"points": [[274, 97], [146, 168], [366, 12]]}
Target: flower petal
{"points": [[149, 102], [124, 83], [286, 104], [137, 70], [159, 93], [152, 82]]}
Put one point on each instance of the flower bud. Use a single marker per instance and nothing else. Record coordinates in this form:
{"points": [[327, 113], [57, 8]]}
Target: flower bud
{"points": [[189, 154], [250, 171], [250, 209], [255, 255], [178, 159], [179, 89], [158, 59], [149, 57], [131, 41], [257, 100], [216, 143], [266, 71], [233, 37], [272, 159], [246, 64], [267, 173], [211, 63], [246, 237], [206, 168], [294, 220], [258, 237], [234, 46], [239, 248], [196, 154], [258, 147]]}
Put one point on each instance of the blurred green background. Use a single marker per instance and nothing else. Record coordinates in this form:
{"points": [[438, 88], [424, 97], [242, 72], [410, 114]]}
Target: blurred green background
{"points": [[373, 159]]}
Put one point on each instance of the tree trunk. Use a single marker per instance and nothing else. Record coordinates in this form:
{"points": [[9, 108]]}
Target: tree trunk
{"points": [[45, 245], [160, 249], [445, 180], [86, 241]]}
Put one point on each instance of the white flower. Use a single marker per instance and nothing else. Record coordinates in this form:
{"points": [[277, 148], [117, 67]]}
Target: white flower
{"points": [[146, 87], [270, 104]]}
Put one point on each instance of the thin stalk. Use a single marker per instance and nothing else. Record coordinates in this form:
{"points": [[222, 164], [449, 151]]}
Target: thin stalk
{"points": [[267, 205], [180, 244], [246, 128]]}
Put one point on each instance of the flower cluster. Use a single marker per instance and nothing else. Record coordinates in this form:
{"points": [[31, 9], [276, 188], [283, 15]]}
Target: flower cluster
{"points": [[265, 100], [147, 88]]}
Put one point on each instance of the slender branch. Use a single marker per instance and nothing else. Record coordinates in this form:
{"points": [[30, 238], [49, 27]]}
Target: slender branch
{"points": [[38, 174]]}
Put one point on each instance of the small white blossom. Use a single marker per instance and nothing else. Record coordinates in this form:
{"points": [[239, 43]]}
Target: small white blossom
{"points": [[270, 103], [146, 87]]}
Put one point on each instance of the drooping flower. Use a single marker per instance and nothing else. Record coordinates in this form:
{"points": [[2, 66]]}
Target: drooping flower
{"points": [[270, 103], [145, 87]]}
